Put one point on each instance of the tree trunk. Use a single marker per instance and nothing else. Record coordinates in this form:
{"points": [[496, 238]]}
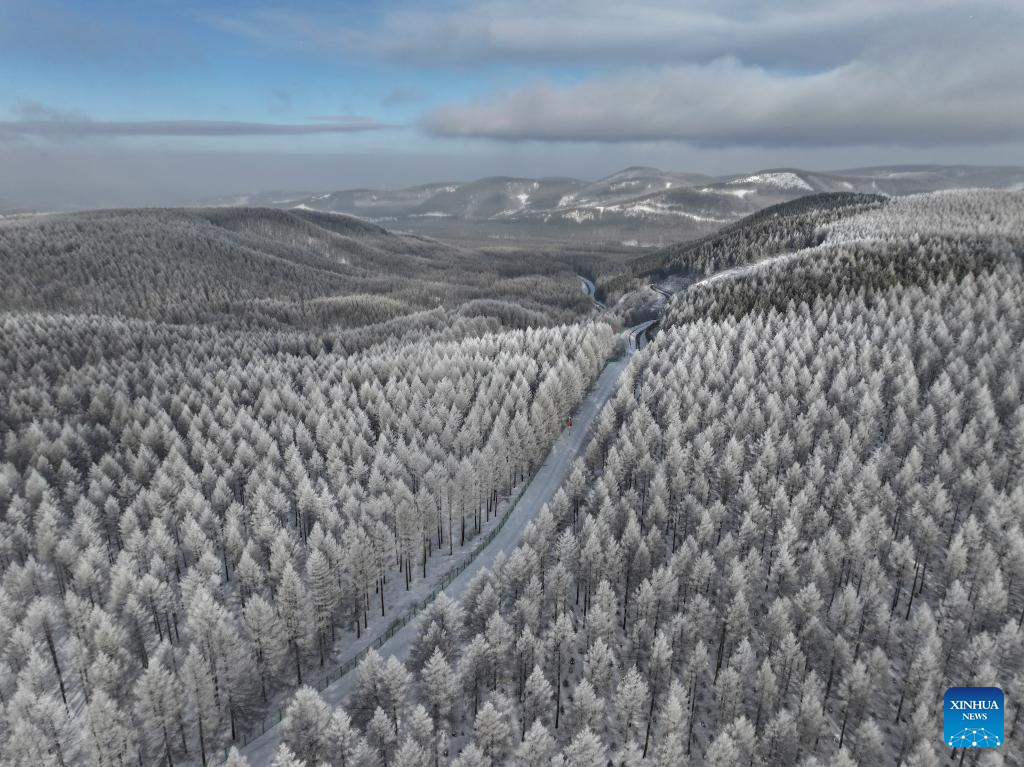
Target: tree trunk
{"points": [[721, 653], [202, 740], [56, 666], [558, 694], [650, 718]]}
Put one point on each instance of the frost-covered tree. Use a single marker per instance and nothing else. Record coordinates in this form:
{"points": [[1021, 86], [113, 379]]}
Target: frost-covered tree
{"points": [[307, 726]]}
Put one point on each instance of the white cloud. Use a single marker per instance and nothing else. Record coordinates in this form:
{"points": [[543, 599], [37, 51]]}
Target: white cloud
{"points": [[928, 86], [779, 34]]}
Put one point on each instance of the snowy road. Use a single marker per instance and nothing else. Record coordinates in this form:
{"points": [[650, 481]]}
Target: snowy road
{"points": [[539, 491], [736, 271], [591, 290], [658, 289], [637, 335]]}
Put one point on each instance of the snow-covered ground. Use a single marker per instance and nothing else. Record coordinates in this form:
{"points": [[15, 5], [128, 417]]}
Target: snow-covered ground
{"points": [[643, 210], [748, 268], [782, 180], [741, 193]]}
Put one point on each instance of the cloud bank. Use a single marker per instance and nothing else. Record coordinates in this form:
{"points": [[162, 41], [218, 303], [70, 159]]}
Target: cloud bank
{"points": [[74, 128], [934, 84], [708, 73]]}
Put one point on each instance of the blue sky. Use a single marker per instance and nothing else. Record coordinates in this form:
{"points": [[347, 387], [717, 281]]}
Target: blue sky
{"points": [[114, 102], [159, 60]]}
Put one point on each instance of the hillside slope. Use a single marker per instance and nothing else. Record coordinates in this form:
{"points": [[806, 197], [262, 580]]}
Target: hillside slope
{"points": [[261, 267], [797, 524]]}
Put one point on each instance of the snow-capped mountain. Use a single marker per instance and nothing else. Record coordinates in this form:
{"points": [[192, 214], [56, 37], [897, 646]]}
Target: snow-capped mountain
{"points": [[638, 205]]}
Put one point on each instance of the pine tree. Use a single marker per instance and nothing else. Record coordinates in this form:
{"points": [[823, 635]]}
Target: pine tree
{"points": [[324, 597], [658, 673], [111, 737], [284, 757], [471, 756], [868, 743], [395, 681], [670, 745], [630, 701], [293, 612], [410, 754], [441, 627], [41, 620], [264, 632], [307, 726], [382, 734], [537, 747], [588, 708], [560, 646], [438, 685], [198, 682], [537, 696], [493, 733], [586, 750], [723, 751], [473, 668], [343, 739], [158, 701], [599, 666]]}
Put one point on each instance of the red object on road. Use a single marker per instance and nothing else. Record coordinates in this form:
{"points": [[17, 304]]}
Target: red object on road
{"points": [[570, 422]]}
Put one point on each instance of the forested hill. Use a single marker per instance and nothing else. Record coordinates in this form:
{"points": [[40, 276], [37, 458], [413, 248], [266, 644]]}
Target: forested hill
{"points": [[800, 523], [786, 226], [212, 420], [916, 240], [260, 267]]}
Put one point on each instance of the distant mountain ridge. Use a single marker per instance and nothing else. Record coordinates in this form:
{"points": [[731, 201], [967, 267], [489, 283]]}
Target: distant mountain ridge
{"points": [[637, 205]]}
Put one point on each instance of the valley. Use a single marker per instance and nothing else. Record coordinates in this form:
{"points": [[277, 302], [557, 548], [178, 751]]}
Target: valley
{"points": [[512, 384], [301, 487]]}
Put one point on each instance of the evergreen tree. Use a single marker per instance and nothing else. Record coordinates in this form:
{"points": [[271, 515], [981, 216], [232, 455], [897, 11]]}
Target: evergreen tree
{"points": [[307, 727]]}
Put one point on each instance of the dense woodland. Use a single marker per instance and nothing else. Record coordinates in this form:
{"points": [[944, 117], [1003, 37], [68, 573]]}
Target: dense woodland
{"points": [[193, 522], [798, 520], [798, 523], [268, 269], [777, 229], [230, 441]]}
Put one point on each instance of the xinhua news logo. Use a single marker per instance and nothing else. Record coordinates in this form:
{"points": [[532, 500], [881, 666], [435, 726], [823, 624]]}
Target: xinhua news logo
{"points": [[973, 717]]}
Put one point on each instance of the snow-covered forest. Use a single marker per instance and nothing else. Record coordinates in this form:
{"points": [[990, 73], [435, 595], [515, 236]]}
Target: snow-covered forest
{"points": [[199, 513], [796, 521], [193, 524], [268, 269], [801, 522], [789, 226]]}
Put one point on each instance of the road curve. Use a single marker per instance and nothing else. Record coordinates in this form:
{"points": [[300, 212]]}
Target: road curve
{"points": [[636, 336], [658, 289], [591, 290], [540, 490]]}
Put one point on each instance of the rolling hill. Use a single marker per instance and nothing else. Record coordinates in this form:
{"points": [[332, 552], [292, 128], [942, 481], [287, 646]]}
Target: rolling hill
{"points": [[638, 206], [268, 268]]}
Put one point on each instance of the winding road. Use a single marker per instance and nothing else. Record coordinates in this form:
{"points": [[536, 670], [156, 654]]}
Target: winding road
{"points": [[541, 489], [591, 290]]}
